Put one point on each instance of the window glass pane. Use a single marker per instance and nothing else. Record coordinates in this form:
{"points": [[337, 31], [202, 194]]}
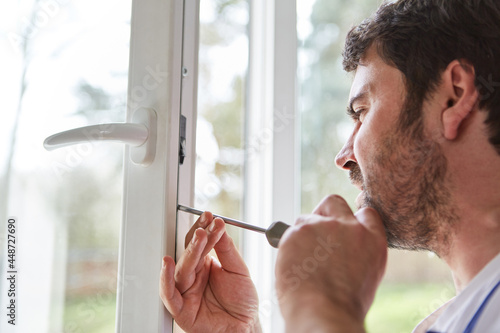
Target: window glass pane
{"points": [[64, 65], [418, 280], [223, 62]]}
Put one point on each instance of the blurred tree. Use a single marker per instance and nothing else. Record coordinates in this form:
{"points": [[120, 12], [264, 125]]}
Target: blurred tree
{"points": [[323, 97], [225, 113]]}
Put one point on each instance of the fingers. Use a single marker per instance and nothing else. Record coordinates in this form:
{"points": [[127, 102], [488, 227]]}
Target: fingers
{"points": [[229, 257], [215, 230], [186, 267], [331, 207], [202, 222], [371, 220], [169, 294], [336, 207], [192, 260]]}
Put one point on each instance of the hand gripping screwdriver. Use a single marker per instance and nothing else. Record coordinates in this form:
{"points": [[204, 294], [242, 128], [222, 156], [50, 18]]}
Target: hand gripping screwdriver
{"points": [[273, 233]]}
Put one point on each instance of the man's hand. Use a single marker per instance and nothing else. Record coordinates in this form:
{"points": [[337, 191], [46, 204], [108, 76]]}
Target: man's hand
{"points": [[203, 294], [329, 266]]}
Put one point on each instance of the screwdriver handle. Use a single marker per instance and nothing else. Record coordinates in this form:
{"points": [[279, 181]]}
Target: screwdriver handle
{"points": [[275, 231]]}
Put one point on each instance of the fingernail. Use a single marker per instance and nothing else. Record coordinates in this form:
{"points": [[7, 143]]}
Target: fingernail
{"points": [[212, 226], [163, 263], [203, 220], [195, 238]]}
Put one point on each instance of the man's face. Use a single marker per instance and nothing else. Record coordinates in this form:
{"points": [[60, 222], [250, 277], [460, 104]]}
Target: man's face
{"points": [[401, 172]]}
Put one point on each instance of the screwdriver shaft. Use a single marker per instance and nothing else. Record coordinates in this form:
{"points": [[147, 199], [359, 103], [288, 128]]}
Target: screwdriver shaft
{"points": [[228, 220]]}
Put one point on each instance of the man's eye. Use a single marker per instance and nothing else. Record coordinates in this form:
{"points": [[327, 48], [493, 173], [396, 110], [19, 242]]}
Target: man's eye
{"points": [[356, 115], [359, 114]]}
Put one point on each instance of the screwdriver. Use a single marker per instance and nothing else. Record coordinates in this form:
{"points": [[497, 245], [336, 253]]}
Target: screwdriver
{"points": [[273, 233]]}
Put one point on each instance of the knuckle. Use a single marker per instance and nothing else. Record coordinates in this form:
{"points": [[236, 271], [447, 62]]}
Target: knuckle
{"points": [[332, 204], [306, 228], [188, 251], [178, 275], [297, 233], [333, 197], [368, 212], [303, 219]]}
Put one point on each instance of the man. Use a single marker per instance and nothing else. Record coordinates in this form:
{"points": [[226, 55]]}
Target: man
{"points": [[425, 151]]}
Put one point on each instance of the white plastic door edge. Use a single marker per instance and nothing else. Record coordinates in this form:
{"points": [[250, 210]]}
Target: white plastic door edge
{"points": [[150, 193], [189, 100]]}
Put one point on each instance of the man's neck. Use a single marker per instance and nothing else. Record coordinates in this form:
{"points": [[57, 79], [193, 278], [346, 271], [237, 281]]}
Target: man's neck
{"points": [[474, 182], [473, 246]]}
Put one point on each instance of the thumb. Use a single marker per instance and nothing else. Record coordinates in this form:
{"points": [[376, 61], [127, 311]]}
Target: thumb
{"points": [[229, 257], [371, 220]]}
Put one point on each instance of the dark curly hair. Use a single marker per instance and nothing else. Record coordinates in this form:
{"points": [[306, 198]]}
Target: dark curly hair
{"points": [[421, 37]]}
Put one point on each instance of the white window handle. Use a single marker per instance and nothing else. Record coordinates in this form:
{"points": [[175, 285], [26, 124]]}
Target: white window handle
{"points": [[140, 135]]}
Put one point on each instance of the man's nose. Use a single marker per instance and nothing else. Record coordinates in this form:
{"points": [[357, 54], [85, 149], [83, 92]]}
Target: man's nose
{"points": [[346, 157]]}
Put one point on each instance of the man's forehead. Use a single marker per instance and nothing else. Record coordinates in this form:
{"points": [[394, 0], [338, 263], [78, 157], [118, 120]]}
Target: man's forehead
{"points": [[362, 82], [366, 71], [373, 72]]}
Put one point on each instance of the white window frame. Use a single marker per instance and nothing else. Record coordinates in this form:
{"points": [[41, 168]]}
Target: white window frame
{"points": [[272, 176], [164, 35], [149, 226]]}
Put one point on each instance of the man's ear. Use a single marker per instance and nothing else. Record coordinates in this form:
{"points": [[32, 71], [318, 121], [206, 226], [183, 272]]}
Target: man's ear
{"points": [[458, 79]]}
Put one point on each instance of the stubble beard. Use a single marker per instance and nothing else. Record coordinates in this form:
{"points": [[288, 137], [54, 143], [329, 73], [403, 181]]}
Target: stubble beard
{"points": [[406, 183]]}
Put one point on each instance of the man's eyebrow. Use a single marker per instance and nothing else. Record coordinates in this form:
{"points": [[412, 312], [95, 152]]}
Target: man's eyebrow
{"points": [[354, 99]]}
